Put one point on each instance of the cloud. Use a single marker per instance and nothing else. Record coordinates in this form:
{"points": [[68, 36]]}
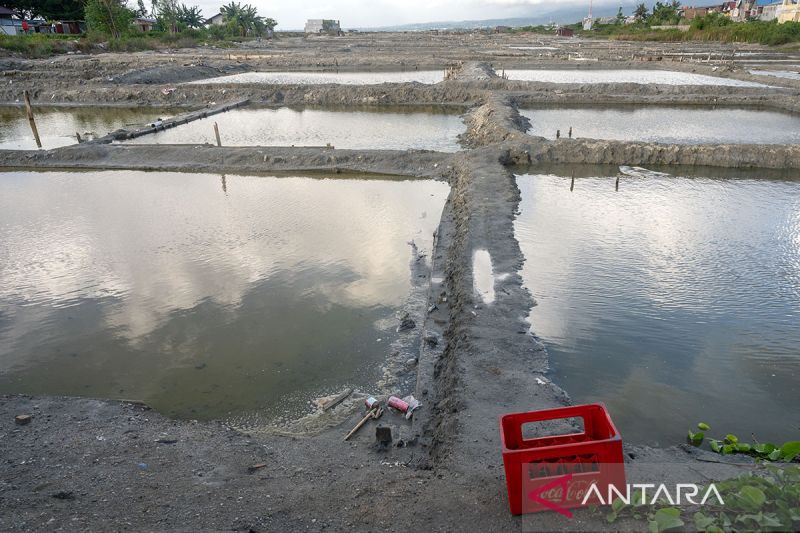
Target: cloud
{"points": [[356, 13]]}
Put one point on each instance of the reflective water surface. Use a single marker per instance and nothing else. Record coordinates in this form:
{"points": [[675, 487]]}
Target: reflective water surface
{"points": [[427, 77], [205, 296], [681, 125], [57, 125], [787, 74], [401, 129], [674, 301], [662, 77]]}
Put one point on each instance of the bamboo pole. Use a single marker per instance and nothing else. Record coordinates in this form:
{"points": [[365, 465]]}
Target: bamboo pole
{"points": [[216, 133], [373, 413], [31, 121]]}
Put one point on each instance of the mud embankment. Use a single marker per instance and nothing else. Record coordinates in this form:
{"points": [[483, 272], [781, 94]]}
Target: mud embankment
{"points": [[637, 95], [274, 95], [539, 150], [208, 158], [491, 363], [175, 74], [496, 121], [499, 122]]}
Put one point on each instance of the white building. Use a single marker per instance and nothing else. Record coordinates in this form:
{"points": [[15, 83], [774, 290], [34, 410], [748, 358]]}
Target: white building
{"points": [[323, 26], [770, 12]]}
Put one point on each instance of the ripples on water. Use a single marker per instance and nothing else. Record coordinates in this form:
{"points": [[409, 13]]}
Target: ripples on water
{"points": [[674, 300], [57, 125], [203, 295], [683, 125], [660, 77], [399, 130]]}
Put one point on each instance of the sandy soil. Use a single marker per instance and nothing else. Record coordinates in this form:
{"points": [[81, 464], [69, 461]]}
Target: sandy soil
{"points": [[93, 465]]}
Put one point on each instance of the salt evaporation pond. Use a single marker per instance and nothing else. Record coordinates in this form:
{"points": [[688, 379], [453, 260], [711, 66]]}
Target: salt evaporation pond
{"points": [[680, 125], [786, 74], [433, 129], [205, 296], [675, 300], [647, 77], [427, 77], [57, 125]]}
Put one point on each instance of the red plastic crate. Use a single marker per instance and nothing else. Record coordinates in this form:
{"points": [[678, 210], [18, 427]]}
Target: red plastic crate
{"points": [[554, 473]]}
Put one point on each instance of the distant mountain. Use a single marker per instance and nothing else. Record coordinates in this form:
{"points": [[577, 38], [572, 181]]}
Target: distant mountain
{"points": [[556, 15]]}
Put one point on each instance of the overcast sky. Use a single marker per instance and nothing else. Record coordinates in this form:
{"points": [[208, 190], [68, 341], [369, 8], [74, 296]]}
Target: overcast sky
{"points": [[371, 13]]}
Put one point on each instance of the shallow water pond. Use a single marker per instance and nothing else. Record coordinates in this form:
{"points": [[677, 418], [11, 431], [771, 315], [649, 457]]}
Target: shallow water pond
{"points": [[786, 74], [674, 300], [661, 77], [57, 125], [206, 296], [427, 77], [681, 125], [400, 129]]}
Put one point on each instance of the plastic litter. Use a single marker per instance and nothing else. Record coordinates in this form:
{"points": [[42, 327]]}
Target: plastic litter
{"points": [[406, 406]]}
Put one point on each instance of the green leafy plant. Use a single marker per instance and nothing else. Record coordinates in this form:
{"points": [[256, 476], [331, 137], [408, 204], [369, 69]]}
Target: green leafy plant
{"points": [[768, 500], [111, 17], [731, 444]]}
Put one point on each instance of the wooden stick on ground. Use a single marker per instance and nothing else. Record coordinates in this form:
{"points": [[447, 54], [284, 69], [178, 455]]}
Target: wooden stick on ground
{"points": [[327, 406], [374, 413]]}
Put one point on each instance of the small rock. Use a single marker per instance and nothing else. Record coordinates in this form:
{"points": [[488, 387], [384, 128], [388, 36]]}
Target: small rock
{"points": [[406, 323], [255, 468], [64, 495], [383, 435], [431, 339], [23, 420], [167, 441]]}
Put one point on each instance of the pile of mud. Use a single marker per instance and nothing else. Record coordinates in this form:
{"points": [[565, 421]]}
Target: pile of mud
{"points": [[174, 74]]}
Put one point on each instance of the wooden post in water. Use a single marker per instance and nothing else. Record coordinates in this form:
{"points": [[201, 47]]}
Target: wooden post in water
{"points": [[572, 184], [78, 135], [31, 121], [558, 134], [216, 132], [570, 132], [616, 187]]}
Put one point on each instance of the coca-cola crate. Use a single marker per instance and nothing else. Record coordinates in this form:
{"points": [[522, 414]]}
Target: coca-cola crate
{"points": [[556, 472]]}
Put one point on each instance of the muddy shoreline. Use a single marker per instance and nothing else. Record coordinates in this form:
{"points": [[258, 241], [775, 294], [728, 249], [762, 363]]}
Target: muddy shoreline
{"points": [[91, 465]]}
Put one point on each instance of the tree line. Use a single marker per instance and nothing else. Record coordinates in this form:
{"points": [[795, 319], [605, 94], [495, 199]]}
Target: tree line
{"points": [[114, 17]]}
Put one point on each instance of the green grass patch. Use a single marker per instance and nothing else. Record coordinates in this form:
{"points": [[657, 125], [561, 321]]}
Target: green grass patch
{"points": [[706, 29], [40, 45]]}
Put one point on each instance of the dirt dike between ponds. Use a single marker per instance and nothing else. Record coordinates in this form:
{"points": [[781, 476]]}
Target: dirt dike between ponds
{"points": [[104, 465]]}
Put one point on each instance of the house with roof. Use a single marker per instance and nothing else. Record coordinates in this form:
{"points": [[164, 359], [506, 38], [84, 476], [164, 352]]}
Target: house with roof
{"points": [[216, 20], [8, 24], [69, 27], [144, 24]]}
